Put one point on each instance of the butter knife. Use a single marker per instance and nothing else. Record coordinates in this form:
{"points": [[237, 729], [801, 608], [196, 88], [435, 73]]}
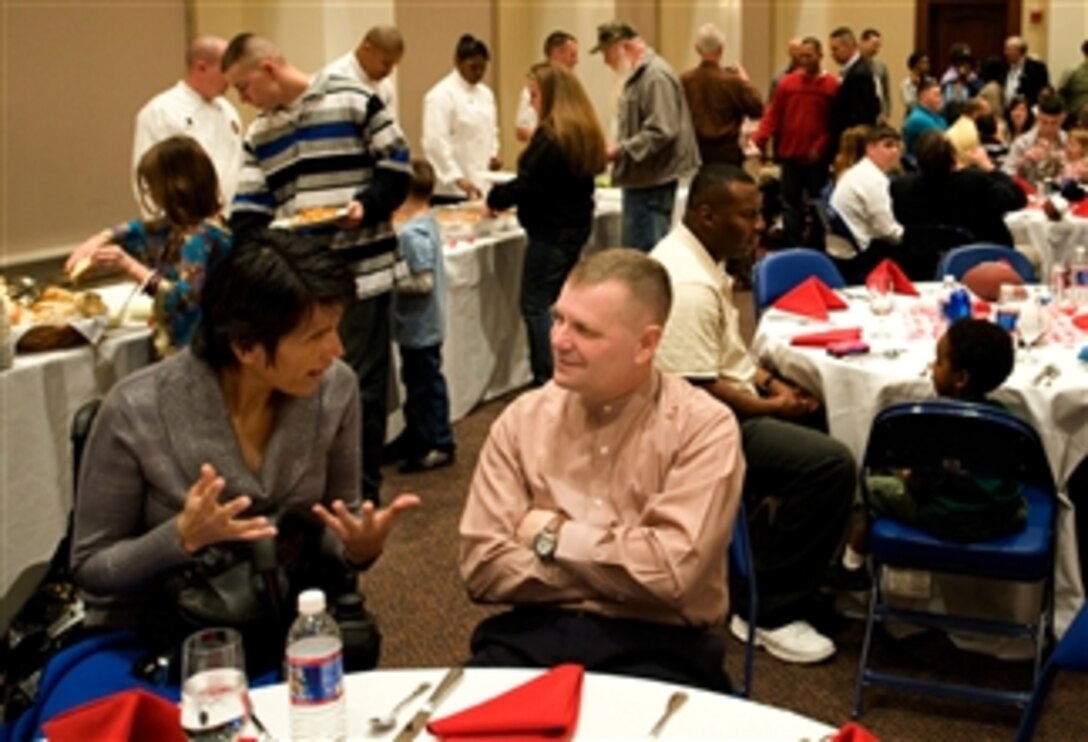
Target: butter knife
{"points": [[419, 721]]}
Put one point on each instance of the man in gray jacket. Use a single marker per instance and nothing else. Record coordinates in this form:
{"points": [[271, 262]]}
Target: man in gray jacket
{"points": [[655, 144]]}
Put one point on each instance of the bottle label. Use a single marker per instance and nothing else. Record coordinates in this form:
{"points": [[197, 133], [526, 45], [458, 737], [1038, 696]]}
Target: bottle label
{"points": [[318, 680]]}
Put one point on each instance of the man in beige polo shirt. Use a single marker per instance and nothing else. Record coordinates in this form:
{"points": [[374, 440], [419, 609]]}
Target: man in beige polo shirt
{"points": [[810, 474], [603, 502]]}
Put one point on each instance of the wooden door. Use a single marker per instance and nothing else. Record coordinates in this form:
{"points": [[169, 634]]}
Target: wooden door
{"points": [[982, 24]]}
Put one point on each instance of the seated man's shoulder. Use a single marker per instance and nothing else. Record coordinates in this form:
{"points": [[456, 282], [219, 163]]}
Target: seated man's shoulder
{"points": [[692, 407]]}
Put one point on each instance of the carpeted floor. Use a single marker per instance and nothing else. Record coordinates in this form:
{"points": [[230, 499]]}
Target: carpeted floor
{"points": [[427, 619]]}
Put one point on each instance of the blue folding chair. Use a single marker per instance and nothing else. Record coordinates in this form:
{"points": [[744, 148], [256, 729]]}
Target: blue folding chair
{"points": [[1070, 654], [985, 441], [781, 270], [742, 565], [959, 260]]}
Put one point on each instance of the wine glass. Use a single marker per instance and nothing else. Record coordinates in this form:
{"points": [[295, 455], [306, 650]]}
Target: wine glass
{"points": [[214, 691], [1033, 325]]}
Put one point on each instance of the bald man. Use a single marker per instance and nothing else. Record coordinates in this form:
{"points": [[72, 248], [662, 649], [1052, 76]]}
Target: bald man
{"points": [[195, 107], [372, 64]]}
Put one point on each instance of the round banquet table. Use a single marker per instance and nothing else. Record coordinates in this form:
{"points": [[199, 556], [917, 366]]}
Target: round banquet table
{"points": [[613, 707], [1054, 241], [854, 389]]}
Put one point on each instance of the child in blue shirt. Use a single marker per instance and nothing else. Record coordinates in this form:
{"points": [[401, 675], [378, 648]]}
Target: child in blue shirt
{"points": [[419, 322]]}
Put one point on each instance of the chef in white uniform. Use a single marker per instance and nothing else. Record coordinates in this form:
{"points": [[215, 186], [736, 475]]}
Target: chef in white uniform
{"points": [[195, 107], [460, 125], [372, 64]]}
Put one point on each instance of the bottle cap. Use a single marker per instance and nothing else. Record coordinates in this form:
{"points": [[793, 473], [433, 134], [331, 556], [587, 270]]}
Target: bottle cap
{"points": [[311, 602]]}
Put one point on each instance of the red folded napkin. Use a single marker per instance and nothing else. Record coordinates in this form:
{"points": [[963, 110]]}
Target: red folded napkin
{"points": [[887, 270], [811, 297], [545, 708], [1023, 185], [1080, 208], [128, 715], [854, 732], [827, 337], [1080, 321]]}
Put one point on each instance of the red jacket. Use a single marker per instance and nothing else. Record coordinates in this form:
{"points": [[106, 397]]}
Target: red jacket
{"points": [[799, 118]]}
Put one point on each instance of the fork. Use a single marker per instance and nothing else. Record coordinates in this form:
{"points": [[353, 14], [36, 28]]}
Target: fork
{"points": [[1047, 375]]}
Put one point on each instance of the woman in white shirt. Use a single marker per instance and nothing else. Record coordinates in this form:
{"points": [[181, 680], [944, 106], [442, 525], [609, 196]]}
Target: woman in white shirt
{"points": [[460, 125]]}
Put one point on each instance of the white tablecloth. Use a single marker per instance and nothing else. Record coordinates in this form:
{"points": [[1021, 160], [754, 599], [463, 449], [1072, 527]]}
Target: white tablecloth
{"points": [[1054, 241], [856, 388], [612, 707], [38, 398]]}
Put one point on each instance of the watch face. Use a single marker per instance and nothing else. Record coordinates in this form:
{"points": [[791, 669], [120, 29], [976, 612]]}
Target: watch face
{"points": [[544, 544]]}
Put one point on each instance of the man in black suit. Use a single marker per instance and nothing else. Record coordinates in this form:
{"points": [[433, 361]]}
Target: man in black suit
{"points": [[1026, 76], [857, 101]]}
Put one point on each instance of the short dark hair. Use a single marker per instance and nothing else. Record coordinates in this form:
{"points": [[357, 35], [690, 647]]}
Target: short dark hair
{"points": [[1051, 106], [984, 351], [935, 154], [1084, 48], [844, 32], [814, 43], [262, 289], [555, 40], [926, 83], [421, 184], [915, 58], [869, 33], [987, 126], [468, 46], [879, 133], [235, 51], [712, 179]]}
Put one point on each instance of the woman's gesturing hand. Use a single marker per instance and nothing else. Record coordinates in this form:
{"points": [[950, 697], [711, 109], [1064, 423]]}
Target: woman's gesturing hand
{"points": [[364, 535], [204, 522]]}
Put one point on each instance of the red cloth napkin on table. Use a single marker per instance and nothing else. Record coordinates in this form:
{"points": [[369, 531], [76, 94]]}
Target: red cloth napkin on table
{"points": [[545, 708], [1080, 208], [1023, 185], [811, 297], [827, 337], [887, 270], [1080, 321], [129, 715], [854, 732]]}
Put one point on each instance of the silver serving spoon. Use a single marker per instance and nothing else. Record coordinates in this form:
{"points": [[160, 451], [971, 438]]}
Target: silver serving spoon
{"points": [[676, 700], [387, 722]]}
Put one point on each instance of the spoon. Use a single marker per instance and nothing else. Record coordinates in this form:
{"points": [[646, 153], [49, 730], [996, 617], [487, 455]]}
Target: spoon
{"points": [[387, 722], [676, 700]]}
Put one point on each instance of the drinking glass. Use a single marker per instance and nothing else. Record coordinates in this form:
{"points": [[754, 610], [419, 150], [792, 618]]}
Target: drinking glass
{"points": [[881, 303], [1008, 309], [214, 696], [1033, 325]]}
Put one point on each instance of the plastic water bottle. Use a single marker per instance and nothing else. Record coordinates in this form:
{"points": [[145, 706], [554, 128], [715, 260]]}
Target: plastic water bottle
{"points": [[315, 672], [1078, 276], [955, 301]]}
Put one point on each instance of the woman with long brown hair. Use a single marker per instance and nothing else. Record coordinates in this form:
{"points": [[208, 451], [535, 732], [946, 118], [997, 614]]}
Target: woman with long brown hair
{"points": [[168, 255], [553, 192]]}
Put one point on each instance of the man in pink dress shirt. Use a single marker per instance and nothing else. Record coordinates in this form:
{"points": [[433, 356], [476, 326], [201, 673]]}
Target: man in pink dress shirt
{"points": [[603, 503]]}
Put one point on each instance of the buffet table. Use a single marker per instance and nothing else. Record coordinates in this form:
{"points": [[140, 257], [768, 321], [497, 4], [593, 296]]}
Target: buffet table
{"points": [[39, 397], [612, 707], [855, 388]]}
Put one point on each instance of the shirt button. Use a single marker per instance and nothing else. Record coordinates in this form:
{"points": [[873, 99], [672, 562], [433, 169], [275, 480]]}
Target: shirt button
{"points": [[597, 502], [604, 450]]}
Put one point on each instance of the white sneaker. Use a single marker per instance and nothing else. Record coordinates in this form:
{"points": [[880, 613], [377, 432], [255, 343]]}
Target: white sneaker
{"points": [[795, 642]]}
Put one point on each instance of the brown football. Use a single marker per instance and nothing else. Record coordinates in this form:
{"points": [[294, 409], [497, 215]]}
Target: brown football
{"points": [[985, 279]]}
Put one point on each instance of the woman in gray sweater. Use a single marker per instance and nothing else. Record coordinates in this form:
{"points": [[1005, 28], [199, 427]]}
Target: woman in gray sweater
{"points": [[196, 458]]}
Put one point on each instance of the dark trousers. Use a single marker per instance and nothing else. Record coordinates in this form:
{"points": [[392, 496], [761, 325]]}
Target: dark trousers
{"points": [[647, 215], [800, 184], [812, 476], [542, 637], [366, 333], [856, 269], [426, 403], [547, 263]]}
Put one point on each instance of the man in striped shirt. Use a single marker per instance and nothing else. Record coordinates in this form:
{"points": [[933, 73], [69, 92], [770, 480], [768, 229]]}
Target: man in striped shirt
{"points": [[326, 141]]}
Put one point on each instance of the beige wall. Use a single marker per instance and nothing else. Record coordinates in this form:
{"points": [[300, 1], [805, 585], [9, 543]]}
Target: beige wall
{"points": [[65, 132], [73, 78]]}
